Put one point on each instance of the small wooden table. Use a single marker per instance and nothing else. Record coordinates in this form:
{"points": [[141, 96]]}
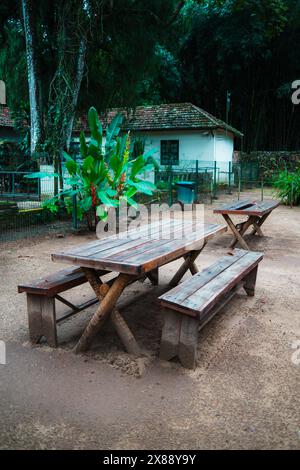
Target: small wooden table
{"points": [[256, 213], [135, 254]]}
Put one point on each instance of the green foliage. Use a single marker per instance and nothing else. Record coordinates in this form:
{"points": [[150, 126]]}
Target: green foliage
{"points": [[287, 186], [246, 47], [139, 54], [269, 163], [105, 176]]}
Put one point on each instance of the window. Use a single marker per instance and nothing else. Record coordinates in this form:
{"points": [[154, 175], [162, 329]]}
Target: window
{"points": [[169, 152]]}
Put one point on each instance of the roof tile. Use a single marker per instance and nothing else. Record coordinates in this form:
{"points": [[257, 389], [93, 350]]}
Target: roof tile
{"points": [[159, 117]]}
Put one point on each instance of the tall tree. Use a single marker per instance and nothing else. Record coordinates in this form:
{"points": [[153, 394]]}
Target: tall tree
{"points": [[36, 121], [65, 39]]}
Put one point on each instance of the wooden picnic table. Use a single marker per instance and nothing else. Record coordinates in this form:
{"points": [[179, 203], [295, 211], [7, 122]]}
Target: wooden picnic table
{"points": [[135, 254], [256, 212]]}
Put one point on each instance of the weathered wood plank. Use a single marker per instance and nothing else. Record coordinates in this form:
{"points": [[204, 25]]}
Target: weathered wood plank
{"points": [[149, 246], [188, 341], [49, 320], [34, 318], [248, 208], [202, 299], [145, 232], [130, 263], [219, 305], [175, 249], [184, 290], [234, 205], [55, 283], [170, 335], [250, 282]]}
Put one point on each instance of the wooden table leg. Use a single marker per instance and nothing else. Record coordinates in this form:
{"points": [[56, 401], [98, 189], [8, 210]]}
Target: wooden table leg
{"points": [[256, 229], [258, 224], [153, 276], [236, 233], [108, 297], [189, 263], [125, 333]]}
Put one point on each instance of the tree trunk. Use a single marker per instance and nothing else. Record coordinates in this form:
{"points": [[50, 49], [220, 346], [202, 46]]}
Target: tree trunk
{"points": [[64, 92], [76, 88], [34, 98]]}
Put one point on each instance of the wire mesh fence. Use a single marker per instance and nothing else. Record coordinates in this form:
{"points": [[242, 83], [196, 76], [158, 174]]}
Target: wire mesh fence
{"points": [[21, 210], [212, 179], [22, 213]]}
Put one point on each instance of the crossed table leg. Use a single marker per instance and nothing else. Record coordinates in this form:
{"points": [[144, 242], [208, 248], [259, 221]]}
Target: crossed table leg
{"points": [[109, 295], [188, 264], [239, 230]]}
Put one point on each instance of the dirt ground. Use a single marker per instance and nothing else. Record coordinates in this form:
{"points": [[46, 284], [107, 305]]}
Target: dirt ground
{"points": [[244, 393]]}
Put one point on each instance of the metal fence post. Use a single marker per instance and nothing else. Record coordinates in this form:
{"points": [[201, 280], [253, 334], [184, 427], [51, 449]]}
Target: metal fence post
{"points": [[239, 181], [197, 179], [229, 177], [262, 189], [13, 185], [215, 180], [170, 187], [74, 212]]}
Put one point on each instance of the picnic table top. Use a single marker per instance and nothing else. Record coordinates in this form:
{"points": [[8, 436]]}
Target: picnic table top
{"points": [[247, 207], [142, 249]]}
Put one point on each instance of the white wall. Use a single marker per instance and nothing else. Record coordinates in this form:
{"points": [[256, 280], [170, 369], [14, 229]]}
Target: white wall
{"points": [[224, 143], [204, 146], [193, 145], [47, 183]]}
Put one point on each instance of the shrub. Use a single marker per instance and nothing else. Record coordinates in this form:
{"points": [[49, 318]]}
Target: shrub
{"points": [[106, 175], [287, 186]]}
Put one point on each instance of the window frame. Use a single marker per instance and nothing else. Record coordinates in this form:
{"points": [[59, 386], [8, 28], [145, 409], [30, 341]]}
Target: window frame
{"points": [[170, 142]]}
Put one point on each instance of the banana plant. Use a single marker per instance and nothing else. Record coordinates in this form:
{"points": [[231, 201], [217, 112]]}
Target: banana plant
{"points": [[106, 175]]}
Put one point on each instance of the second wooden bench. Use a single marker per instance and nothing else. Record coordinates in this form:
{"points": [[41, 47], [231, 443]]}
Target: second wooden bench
{"points": [[191, 304], [41, 296]]}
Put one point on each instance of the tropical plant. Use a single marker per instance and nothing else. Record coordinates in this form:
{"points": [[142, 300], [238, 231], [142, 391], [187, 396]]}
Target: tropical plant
{"points": [[287, 186], [106, 175]]}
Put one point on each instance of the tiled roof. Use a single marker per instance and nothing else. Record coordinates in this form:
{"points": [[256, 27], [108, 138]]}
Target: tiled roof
{"points": [[5, 117], [161, 117]]}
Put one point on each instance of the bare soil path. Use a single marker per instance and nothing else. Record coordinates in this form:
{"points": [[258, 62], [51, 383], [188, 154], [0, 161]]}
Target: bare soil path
{"points": [[243, 394]]}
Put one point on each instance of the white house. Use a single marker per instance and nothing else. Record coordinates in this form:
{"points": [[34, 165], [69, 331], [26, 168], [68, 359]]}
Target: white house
{"points": [[181, 132]]}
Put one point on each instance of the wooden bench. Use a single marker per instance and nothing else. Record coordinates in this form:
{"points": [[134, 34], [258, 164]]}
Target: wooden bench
{"points": [[41, 296], [191, 304]]}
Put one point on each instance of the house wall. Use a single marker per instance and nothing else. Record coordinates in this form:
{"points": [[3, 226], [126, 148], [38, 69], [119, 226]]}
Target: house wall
{"points": [[193, 145], [204, 146], [224, 147]]}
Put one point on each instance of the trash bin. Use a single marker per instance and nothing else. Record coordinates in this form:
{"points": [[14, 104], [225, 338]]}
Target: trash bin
{"points": [[186, 191]]}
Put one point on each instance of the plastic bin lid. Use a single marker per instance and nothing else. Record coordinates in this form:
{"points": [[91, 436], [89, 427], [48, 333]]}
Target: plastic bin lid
{"points": [[188, 184]]}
